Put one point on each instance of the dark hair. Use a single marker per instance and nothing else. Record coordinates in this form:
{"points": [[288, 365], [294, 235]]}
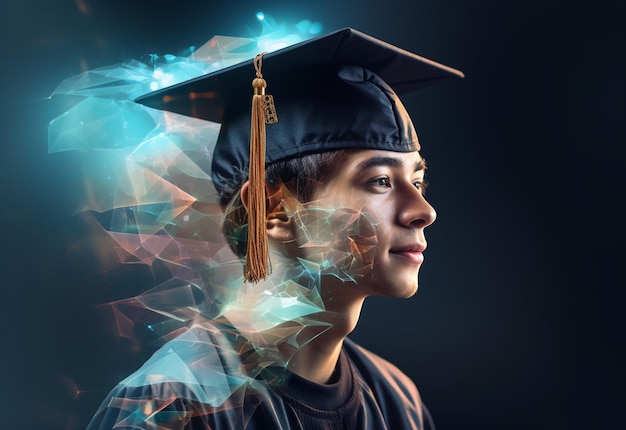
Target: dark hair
{"points": [[300, 175]]}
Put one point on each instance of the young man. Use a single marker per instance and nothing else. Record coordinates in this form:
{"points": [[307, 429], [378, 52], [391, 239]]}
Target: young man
{"points": [[342, 217]]}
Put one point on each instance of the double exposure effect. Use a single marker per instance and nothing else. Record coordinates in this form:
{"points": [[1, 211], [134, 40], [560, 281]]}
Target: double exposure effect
{"points": [[149, 172]]}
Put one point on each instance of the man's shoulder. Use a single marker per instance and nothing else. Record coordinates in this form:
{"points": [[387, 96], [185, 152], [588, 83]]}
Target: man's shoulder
{"points": [[194, 374], [185, 366], [379, 374], [393, 390]]}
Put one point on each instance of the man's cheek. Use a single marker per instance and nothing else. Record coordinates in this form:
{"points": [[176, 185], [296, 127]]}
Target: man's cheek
{"points": [[342, 242]]}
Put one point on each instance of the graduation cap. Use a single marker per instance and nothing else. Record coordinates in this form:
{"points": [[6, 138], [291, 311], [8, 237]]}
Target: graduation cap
{"points": [[337, 91]]}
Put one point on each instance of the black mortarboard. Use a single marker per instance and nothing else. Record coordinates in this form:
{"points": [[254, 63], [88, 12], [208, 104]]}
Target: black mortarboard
{"points": [[333, 92], [321, 105]]}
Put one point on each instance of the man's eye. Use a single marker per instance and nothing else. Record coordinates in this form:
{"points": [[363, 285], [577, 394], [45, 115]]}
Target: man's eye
{"points": [[421, 185], [381, 182]]}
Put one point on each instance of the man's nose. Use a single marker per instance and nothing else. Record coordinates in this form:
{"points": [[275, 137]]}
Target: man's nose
{"points": [[416, 211]]}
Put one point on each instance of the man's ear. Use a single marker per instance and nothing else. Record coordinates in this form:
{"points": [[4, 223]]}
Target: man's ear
{"points": [[243, 194], [279, 225]]}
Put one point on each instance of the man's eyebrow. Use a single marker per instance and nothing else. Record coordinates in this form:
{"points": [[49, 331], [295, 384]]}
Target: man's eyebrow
{"points": [[389, 162]]}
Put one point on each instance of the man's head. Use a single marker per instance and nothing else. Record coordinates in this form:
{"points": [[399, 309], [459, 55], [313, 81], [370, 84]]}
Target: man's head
{"points": [[336, 100]]}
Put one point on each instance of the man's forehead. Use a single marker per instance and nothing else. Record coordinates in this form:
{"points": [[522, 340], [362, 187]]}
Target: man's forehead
{"points": [[367, 158]]}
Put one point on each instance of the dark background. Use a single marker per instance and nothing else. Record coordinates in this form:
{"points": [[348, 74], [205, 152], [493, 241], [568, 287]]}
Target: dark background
{"points": [[518, 323]]}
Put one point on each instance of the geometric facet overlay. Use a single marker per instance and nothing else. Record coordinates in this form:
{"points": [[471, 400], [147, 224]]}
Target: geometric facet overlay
{"points": [[150, 170]]}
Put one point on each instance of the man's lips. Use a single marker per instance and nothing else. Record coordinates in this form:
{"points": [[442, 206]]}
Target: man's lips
{"points": [[413, 253]]}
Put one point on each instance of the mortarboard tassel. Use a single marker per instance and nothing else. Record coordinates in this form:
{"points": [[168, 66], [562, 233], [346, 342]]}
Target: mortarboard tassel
{"points": [[263, 112]]}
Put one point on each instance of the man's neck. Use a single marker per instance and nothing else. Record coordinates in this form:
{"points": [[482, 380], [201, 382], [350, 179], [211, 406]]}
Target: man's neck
{"points": [[314, 351], [317, 359]]}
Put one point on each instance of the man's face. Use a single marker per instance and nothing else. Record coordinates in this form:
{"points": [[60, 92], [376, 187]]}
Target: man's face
{"points": [[373, 212]]}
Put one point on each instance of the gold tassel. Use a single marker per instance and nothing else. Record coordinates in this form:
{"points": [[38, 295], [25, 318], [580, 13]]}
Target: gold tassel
{"points": [[263, 112]]}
